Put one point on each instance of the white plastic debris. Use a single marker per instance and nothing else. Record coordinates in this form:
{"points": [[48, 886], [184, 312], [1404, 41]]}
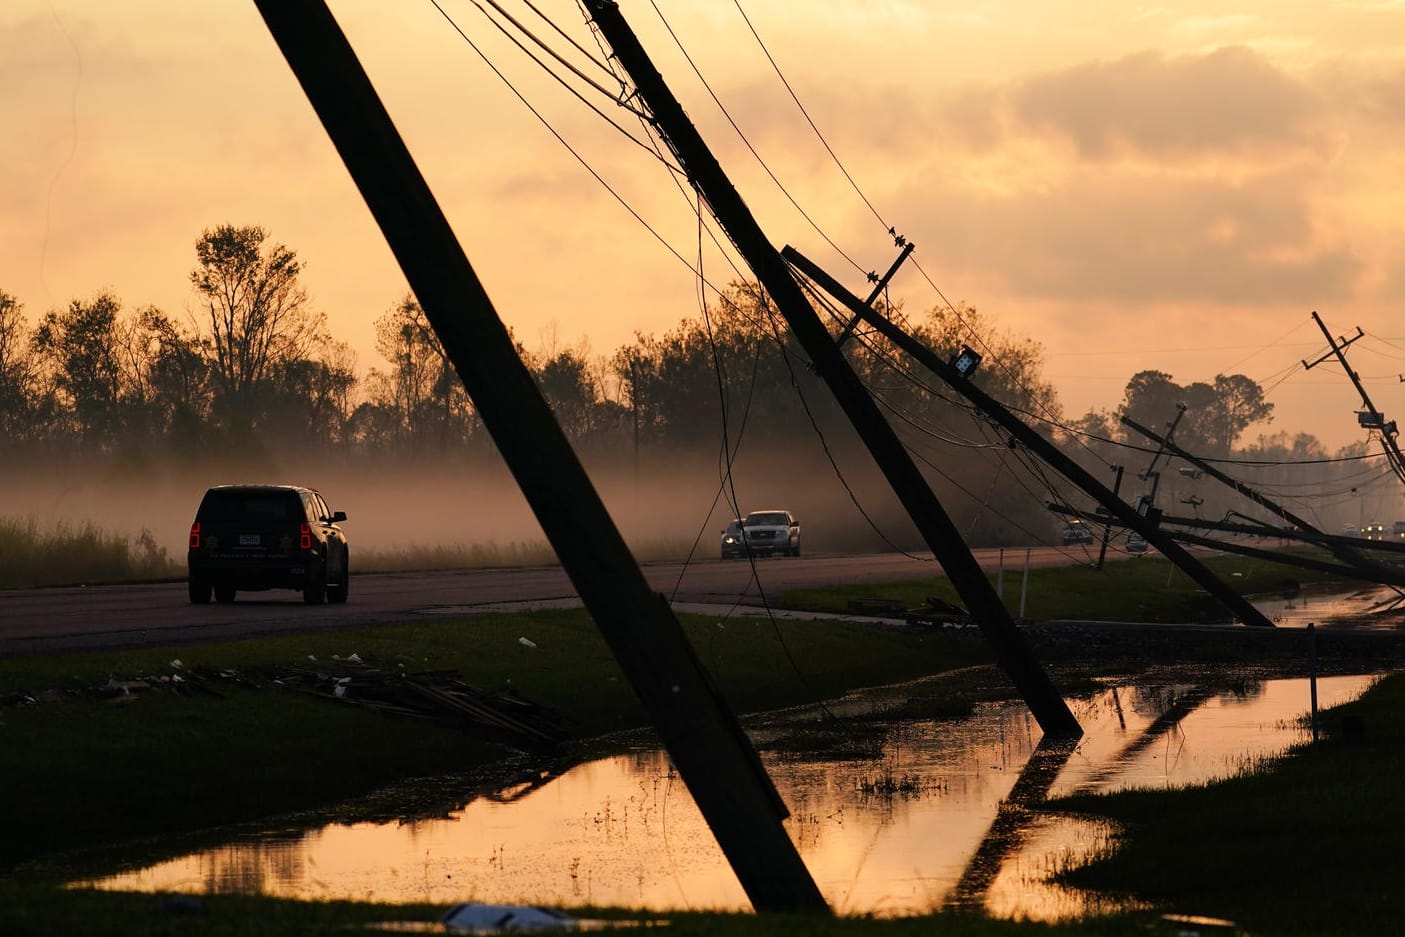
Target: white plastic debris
{"points": [[526, 642], [177, 665], [475, 918], [340, 689], [354, 658]]}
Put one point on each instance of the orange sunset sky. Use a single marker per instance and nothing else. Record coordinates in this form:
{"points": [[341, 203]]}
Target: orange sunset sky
{"points": [[1134, 186]]}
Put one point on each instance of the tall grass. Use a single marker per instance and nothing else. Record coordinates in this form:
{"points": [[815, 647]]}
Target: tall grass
{"points": [[69, 555], [415, 557]]}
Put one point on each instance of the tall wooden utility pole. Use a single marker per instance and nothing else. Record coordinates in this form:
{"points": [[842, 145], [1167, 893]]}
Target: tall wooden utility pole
{"points": [[1240, 607], [966, 575], [707, 745], [1370, 418]]}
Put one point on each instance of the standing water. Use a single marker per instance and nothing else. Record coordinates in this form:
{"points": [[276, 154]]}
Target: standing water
{"points": [[931, 814]]}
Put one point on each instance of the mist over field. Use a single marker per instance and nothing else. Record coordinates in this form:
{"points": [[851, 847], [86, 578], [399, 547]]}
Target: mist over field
{"points": [[671, 502]]}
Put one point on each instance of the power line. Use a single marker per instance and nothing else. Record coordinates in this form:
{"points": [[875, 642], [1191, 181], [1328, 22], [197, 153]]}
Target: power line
{"points": [[759, 159]]}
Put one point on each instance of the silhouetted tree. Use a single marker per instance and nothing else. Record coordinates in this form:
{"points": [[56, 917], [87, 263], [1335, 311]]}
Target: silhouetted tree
{"points": [[80, 348], [255, 315], [17, 373], [422, 388]]}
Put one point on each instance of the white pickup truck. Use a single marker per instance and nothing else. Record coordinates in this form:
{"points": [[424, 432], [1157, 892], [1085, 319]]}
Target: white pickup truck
{"points": [[761, 533]]}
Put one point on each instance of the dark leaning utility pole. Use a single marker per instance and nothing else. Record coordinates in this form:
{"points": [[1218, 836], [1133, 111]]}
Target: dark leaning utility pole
{"points": [[942, 536], [707, 745], [1146, 526]]}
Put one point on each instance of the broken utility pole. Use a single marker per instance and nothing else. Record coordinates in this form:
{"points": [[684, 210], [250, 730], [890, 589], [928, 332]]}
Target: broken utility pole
{"points": [[1370, 418], [907, 481], [702, 736], [1237, 605], [1346, 553]]}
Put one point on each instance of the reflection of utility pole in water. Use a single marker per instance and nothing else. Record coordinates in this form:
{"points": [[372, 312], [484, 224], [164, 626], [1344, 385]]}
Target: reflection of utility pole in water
{"points": [[1175, 714], [1013, 819]]}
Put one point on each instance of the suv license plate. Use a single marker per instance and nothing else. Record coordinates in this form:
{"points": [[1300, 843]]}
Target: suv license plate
{"points": [[248, 540]]}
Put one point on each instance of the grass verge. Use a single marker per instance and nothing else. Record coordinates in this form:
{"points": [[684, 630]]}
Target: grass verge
{"points": [[1147, 588]]}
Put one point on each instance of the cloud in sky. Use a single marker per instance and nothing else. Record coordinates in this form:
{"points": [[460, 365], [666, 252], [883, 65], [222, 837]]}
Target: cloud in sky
{"points": [[1228, 101], [1126, 161]]}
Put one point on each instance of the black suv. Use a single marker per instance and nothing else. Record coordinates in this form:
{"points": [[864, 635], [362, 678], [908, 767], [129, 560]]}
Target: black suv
{"points": [[257, 537]]}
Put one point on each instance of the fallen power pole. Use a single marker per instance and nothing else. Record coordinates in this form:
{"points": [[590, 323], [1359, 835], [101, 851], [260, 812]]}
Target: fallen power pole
{"points": [[1381, 574], [902, 473], [707, 745], [1237, 605], [1341, 550]]}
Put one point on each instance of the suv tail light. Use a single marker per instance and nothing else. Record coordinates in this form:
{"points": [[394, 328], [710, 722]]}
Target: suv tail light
{"points": [[195, 536], [305, 536]]}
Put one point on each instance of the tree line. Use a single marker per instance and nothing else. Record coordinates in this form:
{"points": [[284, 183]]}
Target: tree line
{"points": [[254, 367]]}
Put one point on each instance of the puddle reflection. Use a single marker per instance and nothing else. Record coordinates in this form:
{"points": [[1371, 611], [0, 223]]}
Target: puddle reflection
{"points": [[945, 814]]}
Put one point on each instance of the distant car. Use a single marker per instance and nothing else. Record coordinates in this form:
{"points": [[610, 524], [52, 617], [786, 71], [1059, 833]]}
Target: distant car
{"points": [[763, 533], [1374, 532], [1397, 530], [1077, 532], [257, 537], [1136, 544], [1350, 531], [732, 546]]}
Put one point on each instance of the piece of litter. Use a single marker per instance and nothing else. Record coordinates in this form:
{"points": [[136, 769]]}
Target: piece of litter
{"points": [[526, 642], [475, 918]]}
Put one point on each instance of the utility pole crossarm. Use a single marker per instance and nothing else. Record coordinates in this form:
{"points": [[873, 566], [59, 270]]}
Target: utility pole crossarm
{"points": [[1236, 604], [877, 291]]}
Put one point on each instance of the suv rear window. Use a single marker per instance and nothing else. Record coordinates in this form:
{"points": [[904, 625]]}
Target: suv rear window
{"points": [[272, 506]]}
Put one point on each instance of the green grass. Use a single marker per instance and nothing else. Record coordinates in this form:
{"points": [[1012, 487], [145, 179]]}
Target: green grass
{"points": [[1309, 845], [1148, 588]]}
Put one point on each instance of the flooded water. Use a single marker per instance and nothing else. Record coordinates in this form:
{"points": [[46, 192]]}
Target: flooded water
{"points": [[912, 817], [1368, 607]]}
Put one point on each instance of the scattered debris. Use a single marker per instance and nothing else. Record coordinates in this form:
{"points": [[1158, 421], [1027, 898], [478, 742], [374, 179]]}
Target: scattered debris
{"points": [[499, 713], [436, 696]]}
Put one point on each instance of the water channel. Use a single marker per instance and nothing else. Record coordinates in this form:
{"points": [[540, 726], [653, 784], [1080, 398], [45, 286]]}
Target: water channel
{"points": [[914, 816]]}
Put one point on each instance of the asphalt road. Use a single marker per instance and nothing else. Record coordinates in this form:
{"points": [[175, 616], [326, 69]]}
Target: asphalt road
{"points": [[101, 617]]}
